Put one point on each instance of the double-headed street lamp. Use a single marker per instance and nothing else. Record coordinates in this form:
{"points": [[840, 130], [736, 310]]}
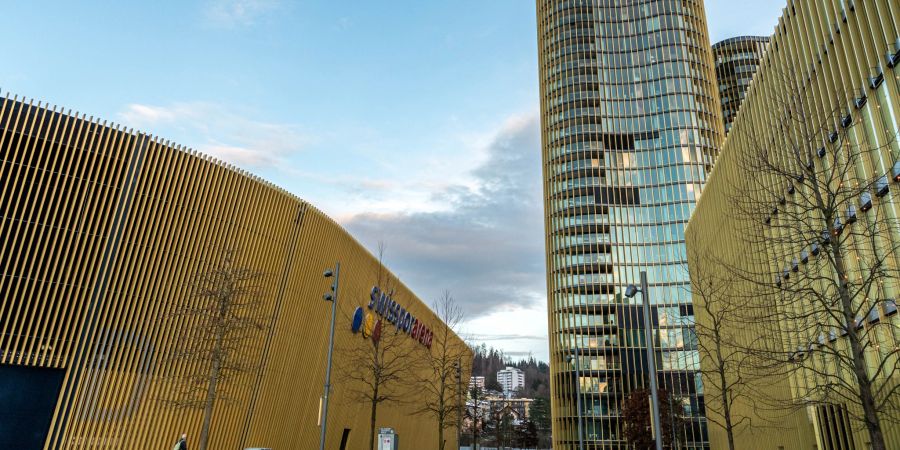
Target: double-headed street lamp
{"points": [[630, 291], [329, 297]]}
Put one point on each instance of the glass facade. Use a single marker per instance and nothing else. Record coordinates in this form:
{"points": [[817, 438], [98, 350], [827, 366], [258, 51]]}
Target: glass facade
{"points": [[736, 61], [630, 128]]}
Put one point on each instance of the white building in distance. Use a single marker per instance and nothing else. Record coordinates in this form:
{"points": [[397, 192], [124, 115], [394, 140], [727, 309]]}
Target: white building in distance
{"points": [[476, 382], [511, 379]]}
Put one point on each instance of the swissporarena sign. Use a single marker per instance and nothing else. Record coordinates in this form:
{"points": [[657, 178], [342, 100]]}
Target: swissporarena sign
{"points": [[383, 305]]}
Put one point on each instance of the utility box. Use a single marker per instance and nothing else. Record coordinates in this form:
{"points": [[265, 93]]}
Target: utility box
{"points": [[387, 439]]}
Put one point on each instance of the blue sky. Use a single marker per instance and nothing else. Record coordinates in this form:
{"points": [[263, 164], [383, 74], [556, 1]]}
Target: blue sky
{"points": [[411, 122]]}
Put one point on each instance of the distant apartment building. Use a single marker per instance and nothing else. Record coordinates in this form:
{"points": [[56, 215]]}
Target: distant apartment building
{"points": [[511, 379], [476, 382], [518, 408]]}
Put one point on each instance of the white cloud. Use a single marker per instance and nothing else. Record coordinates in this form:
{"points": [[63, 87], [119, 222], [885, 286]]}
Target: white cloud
{"points": [[486, 245], [429, 181], [147, 114], [220, 132], [233, 13], [517, 330], [241, 155]]}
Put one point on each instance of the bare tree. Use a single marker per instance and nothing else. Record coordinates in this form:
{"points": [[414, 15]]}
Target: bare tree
{"points": [[723, 356], [374, 368], [476, 414], [449, 357], [216, 331], [812, 202], [637, 421], [499, 424]]}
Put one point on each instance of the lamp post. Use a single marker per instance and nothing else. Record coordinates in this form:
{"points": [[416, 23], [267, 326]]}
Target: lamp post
{"points": [[458, 402], [630, 291], [672, 420], [578, 396], [475, 416], [329, 297]]}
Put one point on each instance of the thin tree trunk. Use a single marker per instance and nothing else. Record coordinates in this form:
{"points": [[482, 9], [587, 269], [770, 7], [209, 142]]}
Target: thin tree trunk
{"points": [[475, 425], [210, 402], [873, 423], [866, 398], [211, 388], [475, 418], [729, 428], [864, 392], [441, 418], [726, 407], [372, 423]]}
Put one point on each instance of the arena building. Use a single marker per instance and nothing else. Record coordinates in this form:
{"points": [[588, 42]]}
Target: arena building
{"points": [[104, 230]]}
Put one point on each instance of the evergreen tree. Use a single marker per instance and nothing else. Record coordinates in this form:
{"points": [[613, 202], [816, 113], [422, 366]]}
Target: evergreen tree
{"points": [[526, 435]]}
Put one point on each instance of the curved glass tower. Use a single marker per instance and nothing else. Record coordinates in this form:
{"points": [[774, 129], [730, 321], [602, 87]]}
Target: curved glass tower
{"points": [[736, 59], [630, 128]]}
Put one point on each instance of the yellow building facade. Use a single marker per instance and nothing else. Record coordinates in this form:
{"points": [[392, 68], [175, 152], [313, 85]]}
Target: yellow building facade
{"points": [[103, 229], [799, 215]]}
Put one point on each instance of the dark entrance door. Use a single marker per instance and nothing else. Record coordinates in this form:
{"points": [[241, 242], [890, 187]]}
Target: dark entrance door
{"points": [[27, 398]]}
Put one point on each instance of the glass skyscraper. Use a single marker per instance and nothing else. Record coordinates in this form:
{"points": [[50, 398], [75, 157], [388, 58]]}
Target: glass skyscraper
{"points": [[631, 124], [736, 61]]}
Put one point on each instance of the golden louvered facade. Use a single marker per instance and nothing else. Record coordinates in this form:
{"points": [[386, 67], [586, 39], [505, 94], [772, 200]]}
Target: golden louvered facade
{"points": [[824, 106], [102, 228]]}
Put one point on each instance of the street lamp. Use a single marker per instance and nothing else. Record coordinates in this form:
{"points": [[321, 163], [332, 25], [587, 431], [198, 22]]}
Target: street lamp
{"points": [[630, 291], [575, 358], [329, 297], [458, 402]]}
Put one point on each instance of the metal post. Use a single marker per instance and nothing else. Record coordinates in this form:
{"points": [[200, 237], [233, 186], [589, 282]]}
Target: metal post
{"points": [[672, 420], [578, 398], [458, 402], [334, 287], [651, 361], [475, 416]]}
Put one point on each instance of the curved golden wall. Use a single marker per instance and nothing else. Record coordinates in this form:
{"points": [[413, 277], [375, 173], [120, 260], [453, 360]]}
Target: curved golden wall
{"points": [[102, 230]]}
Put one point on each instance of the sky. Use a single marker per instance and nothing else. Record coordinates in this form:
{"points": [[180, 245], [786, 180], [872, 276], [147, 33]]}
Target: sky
{"points": [[412, 122]]}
